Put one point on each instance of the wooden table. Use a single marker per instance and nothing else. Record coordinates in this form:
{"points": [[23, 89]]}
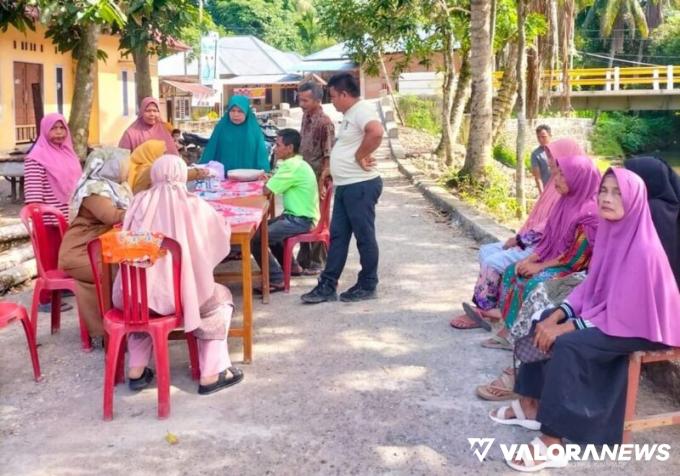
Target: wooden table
{"points": [[241, 235]]}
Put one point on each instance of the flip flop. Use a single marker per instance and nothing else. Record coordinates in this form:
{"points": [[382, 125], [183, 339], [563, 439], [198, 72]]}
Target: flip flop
{"points": [[463, 322], [545, 458], [499, 416], [499, 393], [476, 316], [273, 288], [498, 342]]}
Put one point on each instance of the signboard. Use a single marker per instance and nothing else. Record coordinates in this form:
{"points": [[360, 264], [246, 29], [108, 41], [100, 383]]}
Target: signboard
{"points": [[208, 59], [252, 93]]}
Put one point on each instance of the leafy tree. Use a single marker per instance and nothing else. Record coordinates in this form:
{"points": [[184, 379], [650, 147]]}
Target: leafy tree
{"points": [[16, 14], [74, 26], [150, 26]]}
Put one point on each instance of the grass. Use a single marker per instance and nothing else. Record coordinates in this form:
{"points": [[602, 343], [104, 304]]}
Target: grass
{"points": [[422, 113]]}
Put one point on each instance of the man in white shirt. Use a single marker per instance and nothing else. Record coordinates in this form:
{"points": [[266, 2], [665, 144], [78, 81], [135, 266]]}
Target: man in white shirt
{"points": [[357, 188]]}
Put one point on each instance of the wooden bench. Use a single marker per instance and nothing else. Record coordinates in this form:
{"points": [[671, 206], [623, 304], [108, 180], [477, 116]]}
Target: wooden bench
{"points": [[631, 422]]}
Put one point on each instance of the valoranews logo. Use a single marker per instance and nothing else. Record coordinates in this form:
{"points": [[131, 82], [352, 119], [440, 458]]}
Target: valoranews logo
{"points": [[573, 452]]}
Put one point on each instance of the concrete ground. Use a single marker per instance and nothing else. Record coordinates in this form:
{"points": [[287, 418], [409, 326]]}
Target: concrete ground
{"points": [[382, 387]]}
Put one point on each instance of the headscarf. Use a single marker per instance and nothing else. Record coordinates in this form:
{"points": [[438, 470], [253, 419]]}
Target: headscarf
{"points": [[630, 290], [537, 219], [203, 234], [663, 196], [237, 146], [577, 207], [141, 160], [140, 132], [104, 174], [60, 161]]}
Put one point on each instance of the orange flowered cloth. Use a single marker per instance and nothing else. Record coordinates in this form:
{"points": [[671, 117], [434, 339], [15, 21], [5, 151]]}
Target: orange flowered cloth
{"points": [[138, 248]]}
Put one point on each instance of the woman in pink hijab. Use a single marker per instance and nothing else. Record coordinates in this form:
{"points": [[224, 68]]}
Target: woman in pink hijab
{"points": [[494, 258], [168, 208], [52, 168], [149, 125], [628, 302]]}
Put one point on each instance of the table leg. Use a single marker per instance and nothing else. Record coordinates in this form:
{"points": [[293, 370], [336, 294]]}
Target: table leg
{"points": [[21, 189], [13, 183], [247, 274], [272, 206], [264, 240]]}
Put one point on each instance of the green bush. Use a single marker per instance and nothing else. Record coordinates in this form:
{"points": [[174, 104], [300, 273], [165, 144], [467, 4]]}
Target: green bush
{"points": [[506, 156], [422, 113], [617, 134]]}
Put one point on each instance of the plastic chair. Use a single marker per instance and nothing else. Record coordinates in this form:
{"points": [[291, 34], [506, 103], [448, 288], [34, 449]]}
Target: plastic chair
{"points": [[10, 312], [320, 233], [50, 278], [135, 318]]}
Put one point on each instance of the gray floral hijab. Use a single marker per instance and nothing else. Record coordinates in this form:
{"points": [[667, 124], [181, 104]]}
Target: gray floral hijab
{"points": [[105, 174]]}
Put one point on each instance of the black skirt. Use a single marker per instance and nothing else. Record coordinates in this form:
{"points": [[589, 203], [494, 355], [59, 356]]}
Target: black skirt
{"points": [[582, 388]]}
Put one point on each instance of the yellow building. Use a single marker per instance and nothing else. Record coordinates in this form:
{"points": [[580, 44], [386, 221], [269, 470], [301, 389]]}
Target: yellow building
{"points": [[28, 59]]}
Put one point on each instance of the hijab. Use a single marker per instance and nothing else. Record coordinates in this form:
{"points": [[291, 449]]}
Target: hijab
{"points": [[140, 132], [202, 232], [577, 207], [537, 219], [60, 162], [141, 160], [663, 196], [630, 290], [238, 146], [105, 173]]}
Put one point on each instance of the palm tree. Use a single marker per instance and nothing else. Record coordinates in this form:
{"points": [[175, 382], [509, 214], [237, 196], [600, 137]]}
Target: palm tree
{"points": [[480, 140]]}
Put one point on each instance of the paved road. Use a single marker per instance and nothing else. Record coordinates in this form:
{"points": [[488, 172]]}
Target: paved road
{"points": [[372, 388]]}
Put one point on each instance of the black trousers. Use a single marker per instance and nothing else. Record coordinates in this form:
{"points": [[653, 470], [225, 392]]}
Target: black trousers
{"points": [[354, 213]]}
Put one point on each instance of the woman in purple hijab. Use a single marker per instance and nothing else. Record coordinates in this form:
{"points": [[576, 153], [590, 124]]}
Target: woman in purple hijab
{"points": [[628, 303], [566, 244]]}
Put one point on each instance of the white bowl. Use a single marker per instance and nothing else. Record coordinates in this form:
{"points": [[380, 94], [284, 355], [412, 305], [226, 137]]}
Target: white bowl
{"points": [[245, 175]]}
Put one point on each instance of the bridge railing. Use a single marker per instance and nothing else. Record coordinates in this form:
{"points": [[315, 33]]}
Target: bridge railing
{"points": [[611, 79]]}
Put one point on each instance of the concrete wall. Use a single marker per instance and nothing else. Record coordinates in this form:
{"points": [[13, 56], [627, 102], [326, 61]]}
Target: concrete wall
{"points": [[576, 128]]}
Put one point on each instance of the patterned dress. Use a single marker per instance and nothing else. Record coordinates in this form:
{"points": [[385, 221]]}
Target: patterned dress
{"points": [[517, 288]]}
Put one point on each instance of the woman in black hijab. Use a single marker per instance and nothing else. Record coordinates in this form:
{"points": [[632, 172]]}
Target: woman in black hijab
{"points": [[663, 194]]}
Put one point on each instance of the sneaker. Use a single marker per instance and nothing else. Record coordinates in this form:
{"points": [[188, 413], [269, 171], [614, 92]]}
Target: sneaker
{"points": [[324, 291], [357, 293], [142, 382]]}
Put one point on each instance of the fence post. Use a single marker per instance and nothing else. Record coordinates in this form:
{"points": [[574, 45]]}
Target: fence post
{"points": [[655, 75], [669, 77], [616, 79], [608, 82]]}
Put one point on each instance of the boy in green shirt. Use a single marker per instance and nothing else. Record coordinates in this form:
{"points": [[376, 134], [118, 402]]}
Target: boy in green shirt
{"points": [[295, 180]]}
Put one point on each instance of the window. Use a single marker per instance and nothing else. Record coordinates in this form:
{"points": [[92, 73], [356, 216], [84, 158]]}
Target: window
{"points": [[182, 109], [60, 90], [126, 110], [268, 96]]}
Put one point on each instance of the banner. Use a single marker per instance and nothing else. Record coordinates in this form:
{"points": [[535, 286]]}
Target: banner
{"points": [[252, 93], [208, 59]]}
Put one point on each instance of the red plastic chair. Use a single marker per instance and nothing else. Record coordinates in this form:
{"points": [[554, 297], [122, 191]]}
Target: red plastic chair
{"points": [[46, 243], [320, 233], [10, 312], [135, 318]]}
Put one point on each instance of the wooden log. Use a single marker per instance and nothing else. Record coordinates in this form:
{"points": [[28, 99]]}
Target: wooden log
{"points": [[8, 245], [9, 221], [17, 275], [16, 256], [13, 232]]}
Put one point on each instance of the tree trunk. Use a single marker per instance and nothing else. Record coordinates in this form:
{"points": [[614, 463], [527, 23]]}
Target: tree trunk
{"points": [[462, 96], [505, 98], [521, 105], [142, 74], [83, 89], [479, 142], [16, 256], [13, 232], [445, 147], [17, 275], [390, 90], [568, 17]]}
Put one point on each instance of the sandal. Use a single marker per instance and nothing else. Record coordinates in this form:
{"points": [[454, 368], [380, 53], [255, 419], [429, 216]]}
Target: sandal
{"points": [[503, 390], [463, 322], [500, 416], [475, 315], [541, 458], [222, 381], [141, 382], [273, 288], [498, 342]]}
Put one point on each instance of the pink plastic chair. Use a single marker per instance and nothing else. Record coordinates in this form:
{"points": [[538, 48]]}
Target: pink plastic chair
{"points": [[46, 241], [10, 312], [135, 318], [320, 233]]}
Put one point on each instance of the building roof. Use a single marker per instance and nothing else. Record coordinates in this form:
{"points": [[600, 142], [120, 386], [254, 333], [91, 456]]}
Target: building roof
{"points": [[264, 79], [335, 52], [333, 58], [236, 56], [195, 89]]}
